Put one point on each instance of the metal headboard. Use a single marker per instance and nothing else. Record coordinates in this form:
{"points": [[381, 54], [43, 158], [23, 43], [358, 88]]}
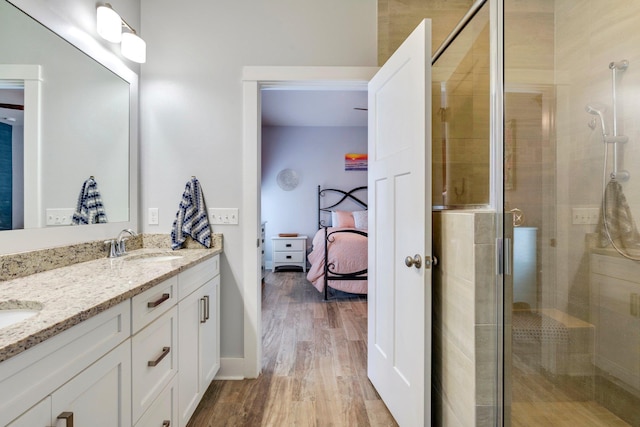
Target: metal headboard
{"points": [[346, 196]]}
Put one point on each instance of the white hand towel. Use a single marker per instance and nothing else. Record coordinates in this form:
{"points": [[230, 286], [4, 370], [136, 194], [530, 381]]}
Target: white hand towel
{"points": [[191, 218]]}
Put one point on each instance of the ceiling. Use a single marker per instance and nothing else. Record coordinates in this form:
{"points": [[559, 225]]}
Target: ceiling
{"points": [[313, 107]]}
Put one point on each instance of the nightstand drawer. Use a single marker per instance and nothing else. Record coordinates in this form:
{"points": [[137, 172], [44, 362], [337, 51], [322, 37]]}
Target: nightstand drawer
{"points": [[284, 257], [288, 245]]}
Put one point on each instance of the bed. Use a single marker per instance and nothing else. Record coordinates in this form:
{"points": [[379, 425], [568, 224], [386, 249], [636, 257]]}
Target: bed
{"points": [[339, 249]]}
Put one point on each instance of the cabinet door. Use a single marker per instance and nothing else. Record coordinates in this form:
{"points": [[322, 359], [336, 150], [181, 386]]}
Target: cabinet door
{"points": [[198, 344], [209, 336], [190, 314], [100, 396], [39, 415]]}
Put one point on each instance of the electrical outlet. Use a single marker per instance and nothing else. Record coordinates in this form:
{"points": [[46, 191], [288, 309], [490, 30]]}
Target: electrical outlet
{"points": [[154, 218], [227, 216], [62, 216], [585, 215]]}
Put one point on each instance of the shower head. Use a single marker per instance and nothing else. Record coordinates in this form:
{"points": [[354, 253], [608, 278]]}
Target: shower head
{"points": [[598, 110]]}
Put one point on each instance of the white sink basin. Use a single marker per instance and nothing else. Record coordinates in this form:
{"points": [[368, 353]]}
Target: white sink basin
{"points": [[153, 257], [160, 258], [12, 311]]}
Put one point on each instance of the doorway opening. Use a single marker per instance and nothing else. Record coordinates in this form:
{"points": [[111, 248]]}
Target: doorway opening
{"points": [[257, 79]]}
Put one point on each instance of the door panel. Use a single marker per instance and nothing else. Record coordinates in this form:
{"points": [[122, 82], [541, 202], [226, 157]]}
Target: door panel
{"points": [[399, 353]]}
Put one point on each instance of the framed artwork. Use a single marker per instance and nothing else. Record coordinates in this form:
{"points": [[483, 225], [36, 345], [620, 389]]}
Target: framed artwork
{"points": [[355, 162]]}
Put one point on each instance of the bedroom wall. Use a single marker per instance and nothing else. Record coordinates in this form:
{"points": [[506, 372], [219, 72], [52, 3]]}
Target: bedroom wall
{"points": [[317, 154]]}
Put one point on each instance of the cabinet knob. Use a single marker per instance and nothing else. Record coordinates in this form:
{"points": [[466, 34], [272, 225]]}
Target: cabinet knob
{"points": [[288, 245], [166, 423], [67, 417]]}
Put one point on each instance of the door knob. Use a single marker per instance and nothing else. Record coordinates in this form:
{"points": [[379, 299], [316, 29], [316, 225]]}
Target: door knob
{"points": [[416, 261]]}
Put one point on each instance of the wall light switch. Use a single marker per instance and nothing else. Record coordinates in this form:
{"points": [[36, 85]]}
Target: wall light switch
{"points": [[154, 218], [585, 215], [61, 216], [227, 216]]}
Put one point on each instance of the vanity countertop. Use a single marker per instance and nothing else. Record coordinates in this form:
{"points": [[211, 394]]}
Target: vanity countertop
{"points": [[71, 294]]}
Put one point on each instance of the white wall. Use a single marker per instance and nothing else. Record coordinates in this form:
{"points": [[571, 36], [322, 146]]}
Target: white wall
{"points": [[191, 101], [317, 154]]}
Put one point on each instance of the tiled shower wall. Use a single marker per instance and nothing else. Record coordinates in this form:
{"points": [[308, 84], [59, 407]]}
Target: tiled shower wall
{"points": [[397, 18], [464, 319]]}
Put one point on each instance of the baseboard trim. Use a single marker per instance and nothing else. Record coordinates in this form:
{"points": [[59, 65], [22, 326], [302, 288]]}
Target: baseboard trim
{"points": [[231, 368]]}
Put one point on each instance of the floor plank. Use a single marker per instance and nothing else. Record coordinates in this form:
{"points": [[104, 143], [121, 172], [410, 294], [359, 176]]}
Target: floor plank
{"points": [[314, 365]]}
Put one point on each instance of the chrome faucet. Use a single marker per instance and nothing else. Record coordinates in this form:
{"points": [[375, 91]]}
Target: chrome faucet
{"points": [[120, 241], [117, 246]]}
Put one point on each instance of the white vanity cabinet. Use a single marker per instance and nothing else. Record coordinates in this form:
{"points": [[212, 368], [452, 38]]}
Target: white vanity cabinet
{"points": [[615, 313], [81, 371], [199, 338], [145, 362]]}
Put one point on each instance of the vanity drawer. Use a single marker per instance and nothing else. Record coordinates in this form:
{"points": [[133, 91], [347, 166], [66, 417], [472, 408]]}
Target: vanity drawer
{"points": [[152, 303], [164, 409], [154, 360], [288, 245], [284, 257], [198, 275]]}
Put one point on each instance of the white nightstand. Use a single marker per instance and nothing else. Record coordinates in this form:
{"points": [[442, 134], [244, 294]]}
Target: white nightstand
{"points": [[290, 251]]}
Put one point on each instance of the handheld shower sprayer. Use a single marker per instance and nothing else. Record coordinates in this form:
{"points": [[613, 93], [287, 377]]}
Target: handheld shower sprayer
{"points": [[598, 110]]}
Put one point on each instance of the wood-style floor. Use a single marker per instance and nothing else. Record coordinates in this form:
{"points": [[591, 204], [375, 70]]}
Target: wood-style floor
{"points": [[538, 402], [314, 367]]}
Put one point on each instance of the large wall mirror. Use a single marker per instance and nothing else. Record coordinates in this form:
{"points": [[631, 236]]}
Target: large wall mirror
{"points": [[67, 115]]}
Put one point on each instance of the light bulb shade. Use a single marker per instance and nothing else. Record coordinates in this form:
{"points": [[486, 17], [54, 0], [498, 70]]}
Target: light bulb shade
{"points": [[109, 24], [133, 48]]}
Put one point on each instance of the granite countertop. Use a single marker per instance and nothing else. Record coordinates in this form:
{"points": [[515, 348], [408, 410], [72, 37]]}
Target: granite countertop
{"points": [[74, 293]]}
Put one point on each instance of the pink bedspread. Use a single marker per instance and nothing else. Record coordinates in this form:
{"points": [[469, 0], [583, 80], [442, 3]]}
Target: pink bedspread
{"points": [[348, 253]]}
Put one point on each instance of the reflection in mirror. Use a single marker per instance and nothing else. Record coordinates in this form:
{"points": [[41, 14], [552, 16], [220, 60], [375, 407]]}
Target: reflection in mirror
{"points": [[79, 117], [11, 155]]}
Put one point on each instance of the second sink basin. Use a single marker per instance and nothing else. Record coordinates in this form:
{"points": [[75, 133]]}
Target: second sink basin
{"points": [[153, 257]]}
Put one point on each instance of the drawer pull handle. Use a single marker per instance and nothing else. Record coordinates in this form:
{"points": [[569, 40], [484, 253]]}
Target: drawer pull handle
{"points": [[206, 307], [163, 298], [203, 310], [288, 245], [288, 256], [67, 417], [165, 351], [166, 423]]}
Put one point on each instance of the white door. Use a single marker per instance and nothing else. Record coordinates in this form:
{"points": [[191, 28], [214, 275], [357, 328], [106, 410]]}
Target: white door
{"points": [[399, 340]]}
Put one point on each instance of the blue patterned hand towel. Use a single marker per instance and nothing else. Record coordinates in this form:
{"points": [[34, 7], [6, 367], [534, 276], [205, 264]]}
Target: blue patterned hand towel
{"points": [[191, 218], [89, 209]]}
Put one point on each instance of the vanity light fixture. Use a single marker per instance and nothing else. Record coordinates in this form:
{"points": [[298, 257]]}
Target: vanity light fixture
{"points": [[109, 26]]}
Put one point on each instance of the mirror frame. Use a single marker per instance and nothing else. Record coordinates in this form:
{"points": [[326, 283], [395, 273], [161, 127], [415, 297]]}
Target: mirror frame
{"points": [[13, 241]]}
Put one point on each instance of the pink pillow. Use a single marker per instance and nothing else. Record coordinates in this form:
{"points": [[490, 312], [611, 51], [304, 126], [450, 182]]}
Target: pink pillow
{"points": [[342, 219]]}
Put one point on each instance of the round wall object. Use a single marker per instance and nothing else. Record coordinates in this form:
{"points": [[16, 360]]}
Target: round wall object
{"points": [[288, 179]]}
